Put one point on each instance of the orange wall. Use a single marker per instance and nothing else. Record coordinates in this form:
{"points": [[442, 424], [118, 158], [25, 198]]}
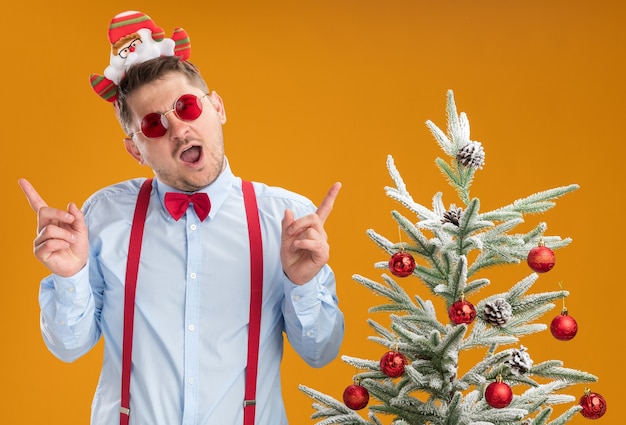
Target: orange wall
{"points": [[323, 91]]}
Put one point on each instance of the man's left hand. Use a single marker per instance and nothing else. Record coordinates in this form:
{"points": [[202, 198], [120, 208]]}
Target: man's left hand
{"points": [[304, 249]]}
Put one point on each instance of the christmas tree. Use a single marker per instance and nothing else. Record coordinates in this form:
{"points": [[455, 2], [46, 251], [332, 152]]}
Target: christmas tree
{"points": [[418, 379]]}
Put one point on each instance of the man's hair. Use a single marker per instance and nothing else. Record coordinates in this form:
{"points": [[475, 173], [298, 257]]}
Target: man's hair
{"points": [[147, 72]]}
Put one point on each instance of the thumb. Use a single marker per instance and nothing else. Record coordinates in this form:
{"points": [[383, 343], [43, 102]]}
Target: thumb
{"points": [[79, 219], [287, 220]]}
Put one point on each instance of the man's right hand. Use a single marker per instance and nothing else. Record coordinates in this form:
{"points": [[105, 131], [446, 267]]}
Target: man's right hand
{"points": [[61, 244]]}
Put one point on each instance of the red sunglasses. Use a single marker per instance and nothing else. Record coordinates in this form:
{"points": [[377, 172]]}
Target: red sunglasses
{"points": [[188, 107]]}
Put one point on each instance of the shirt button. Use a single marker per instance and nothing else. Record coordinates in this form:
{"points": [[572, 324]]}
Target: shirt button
{"points": [[192, 328], [309, 333], [70, 289], [297, 298], [193, 227], [191, 380], [192, 275]]}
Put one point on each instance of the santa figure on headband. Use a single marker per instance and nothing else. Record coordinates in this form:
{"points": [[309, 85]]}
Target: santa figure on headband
{"points": [[135, 38]]}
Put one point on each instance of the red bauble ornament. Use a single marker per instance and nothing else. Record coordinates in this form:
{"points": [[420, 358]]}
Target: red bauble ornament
{"points": [[498, 394], [356, 397], [462, 311], [563, 326], [401, 264], [541, 258], [593, 405], [392, 364]]}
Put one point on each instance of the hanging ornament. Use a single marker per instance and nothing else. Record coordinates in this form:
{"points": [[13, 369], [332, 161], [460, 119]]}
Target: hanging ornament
{"points": [[541, 258], [356, 396], [563, 326], [593, 405], [401, 264], [462, 311], [392, 364], [498, 394]]}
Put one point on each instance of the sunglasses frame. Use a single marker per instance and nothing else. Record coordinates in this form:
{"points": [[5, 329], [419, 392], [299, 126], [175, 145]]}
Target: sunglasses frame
{"points": [[164, 115]]}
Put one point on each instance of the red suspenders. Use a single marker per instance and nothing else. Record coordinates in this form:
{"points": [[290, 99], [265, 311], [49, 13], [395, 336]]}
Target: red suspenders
{"points": [[256, 292], [132, 267], [256, 300]]}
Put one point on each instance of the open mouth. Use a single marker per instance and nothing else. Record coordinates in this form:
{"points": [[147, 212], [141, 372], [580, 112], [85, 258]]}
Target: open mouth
{"points": [[191, 155]]}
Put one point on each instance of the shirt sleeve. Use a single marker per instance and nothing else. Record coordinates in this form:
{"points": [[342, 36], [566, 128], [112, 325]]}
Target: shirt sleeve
{"points": [[68, 322], [313, 322]]}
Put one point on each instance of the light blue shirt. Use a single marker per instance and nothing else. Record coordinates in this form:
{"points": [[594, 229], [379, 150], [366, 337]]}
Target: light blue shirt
{"points": [[192, 307]]}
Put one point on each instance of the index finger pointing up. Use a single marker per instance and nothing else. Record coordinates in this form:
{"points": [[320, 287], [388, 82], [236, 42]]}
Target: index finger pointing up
{"points": [[36, 202], [327, 204]]}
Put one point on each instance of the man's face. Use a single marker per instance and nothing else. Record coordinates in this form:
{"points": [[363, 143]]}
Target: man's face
{"points": [[190, 155]]}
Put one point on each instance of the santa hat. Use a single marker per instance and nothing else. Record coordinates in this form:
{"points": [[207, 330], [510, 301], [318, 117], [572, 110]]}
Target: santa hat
{"points": [[130, 22]]}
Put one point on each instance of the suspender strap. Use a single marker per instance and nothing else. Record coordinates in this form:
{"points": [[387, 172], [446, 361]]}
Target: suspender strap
{"points": [[256, 301], [256, 297], [132, 268]]}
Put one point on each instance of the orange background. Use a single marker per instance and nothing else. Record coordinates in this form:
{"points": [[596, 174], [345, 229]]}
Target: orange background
{"points": [[322, 91]]}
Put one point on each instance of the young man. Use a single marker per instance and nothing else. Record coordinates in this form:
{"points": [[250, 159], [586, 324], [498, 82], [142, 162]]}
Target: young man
{"points": [[192, 315]]}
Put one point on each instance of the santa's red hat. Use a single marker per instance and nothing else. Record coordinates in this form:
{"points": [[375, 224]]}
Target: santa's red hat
{"points": [[130, 22]]}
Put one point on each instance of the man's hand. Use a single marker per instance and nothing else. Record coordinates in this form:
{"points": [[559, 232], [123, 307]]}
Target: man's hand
{"points": [[61, 243], [304, 249]]}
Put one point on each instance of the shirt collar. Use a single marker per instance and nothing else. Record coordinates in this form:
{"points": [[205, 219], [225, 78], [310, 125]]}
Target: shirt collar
{"points": [[218, 190]]}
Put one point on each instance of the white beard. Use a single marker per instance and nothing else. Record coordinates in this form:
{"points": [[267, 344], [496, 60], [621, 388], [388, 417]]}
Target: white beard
{"points": [[148, 49]]}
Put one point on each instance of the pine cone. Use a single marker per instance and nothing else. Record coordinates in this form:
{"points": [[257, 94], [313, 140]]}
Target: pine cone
{"points": [[519, 362], [497, 312], [453, 215], [471, 155]]}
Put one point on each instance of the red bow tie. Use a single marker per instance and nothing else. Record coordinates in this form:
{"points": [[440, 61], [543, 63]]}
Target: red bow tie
{"points": [[177, 204]]}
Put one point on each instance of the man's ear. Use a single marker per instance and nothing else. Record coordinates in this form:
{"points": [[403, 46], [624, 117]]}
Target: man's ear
{"points": [[218, 104], [133, 150]]}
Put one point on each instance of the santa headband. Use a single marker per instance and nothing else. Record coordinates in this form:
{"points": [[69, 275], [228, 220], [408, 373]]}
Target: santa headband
{"points": [[135, 38]]}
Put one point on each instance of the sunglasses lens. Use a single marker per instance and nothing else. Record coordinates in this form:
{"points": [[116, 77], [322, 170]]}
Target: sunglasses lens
{"points": [[154, 125], [188, 107]]}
